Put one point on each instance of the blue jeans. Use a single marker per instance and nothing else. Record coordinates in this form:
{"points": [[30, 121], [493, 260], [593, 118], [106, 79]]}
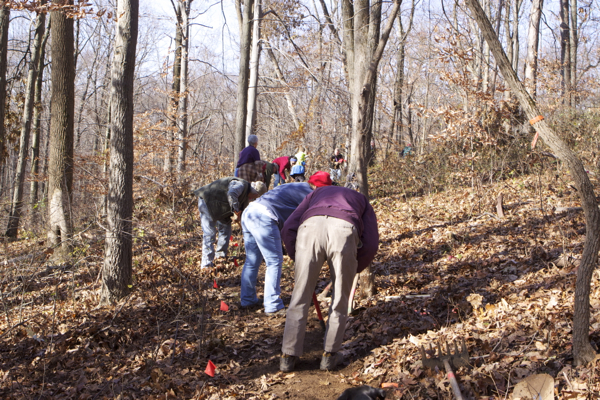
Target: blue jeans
{"points": [[336, 174], [209, 230], [278, 180], [262, 240]]}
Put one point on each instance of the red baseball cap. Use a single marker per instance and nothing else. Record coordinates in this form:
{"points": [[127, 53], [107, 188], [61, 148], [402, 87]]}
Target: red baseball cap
{"points": [[320, 178]]}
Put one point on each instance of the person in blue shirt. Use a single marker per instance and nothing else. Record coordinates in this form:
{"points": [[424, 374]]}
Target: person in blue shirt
{"points": [[298, 171], [262, 222]]}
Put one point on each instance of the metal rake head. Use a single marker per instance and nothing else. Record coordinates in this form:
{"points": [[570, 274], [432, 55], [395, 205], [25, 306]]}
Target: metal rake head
{"points": [[456, 359]]}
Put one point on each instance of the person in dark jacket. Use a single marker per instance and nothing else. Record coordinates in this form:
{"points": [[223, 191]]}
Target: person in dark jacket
{"points": [[218, 202], [249, 154], [333, 224]]}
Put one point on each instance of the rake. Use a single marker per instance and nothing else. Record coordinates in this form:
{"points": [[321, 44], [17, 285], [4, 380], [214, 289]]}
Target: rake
{"points": [[448, 360]]}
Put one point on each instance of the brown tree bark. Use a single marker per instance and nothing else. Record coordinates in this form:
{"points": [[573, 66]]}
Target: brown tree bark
{"points": [[14, 216], [565, 49], [36, 128], [174, 95], [364, 71], [182, 118], [533, 41], [4, 21], [243, 78], [573, 45], [60, 169], [396, 125], [117, 268], [253, 65], [583, 352]]}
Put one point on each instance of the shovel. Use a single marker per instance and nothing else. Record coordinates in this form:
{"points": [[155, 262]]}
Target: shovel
{"points": [[448, 361]]}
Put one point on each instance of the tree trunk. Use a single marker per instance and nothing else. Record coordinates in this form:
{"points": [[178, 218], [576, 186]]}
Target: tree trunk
{"points": [[582, 349], [565, 49], [348, 35], [573, 44], [4, 21], [288, 96], [533, 41], [242, 94], [183, 92], [60, 169], [37, 117], [175, 90], [116, 271], [397, 126], [14, 217], [515, 35], [365, 68], [254, 62]]}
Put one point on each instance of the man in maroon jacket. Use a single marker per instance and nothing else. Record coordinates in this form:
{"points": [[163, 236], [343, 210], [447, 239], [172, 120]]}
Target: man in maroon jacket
{"points": [[333, 224]]}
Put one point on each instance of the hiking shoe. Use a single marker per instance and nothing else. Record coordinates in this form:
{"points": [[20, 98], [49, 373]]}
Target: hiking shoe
{"points": [[287, 363], [253, 306], [331, 360], [278, 313]]}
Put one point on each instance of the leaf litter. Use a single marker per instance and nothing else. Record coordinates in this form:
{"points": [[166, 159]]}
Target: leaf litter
{"points": [[448, 268]]}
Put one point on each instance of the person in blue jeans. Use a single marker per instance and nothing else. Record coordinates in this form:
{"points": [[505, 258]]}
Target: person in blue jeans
{"points": [[262, 222]]}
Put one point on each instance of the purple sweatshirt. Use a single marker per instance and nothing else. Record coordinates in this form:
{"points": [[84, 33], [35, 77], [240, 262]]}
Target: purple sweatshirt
{"points": [[338, 202], [248, 155]]}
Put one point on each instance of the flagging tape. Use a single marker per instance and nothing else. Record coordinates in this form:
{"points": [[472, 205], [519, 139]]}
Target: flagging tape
{"points": [[536, 120]]}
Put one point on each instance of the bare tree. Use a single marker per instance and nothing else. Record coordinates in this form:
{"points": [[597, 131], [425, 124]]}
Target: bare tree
{"points": [[396, 125], [117, 268], [37, 116], [60, 171], [254, 63], [4, 21], [573, 44], [533, 41], [182, 117], [583, 351], [367, 54], [242, 92], [28, 105], [175, 90], [565, 48]]}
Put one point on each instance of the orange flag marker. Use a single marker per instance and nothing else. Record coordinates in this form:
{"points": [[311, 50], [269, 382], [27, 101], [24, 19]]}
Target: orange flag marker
{"points": [[210, 369], [215, 284], [224, 307]]}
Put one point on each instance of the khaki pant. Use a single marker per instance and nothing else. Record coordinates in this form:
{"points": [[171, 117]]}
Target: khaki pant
{"points": [[320, 239]]}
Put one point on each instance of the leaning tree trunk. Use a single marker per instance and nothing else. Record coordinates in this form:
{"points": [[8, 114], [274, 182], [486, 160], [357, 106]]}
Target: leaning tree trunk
{"points": [[582, 349], [116, 271], [14, 216], [4, 21], [60, 171], [242, 94]]}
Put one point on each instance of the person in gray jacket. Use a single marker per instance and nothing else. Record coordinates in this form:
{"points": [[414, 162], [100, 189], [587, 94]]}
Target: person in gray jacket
{"points": [[218, 202]]}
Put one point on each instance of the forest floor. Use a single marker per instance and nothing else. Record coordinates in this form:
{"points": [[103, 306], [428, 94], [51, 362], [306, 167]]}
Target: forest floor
{"points": [[448, 268]]}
